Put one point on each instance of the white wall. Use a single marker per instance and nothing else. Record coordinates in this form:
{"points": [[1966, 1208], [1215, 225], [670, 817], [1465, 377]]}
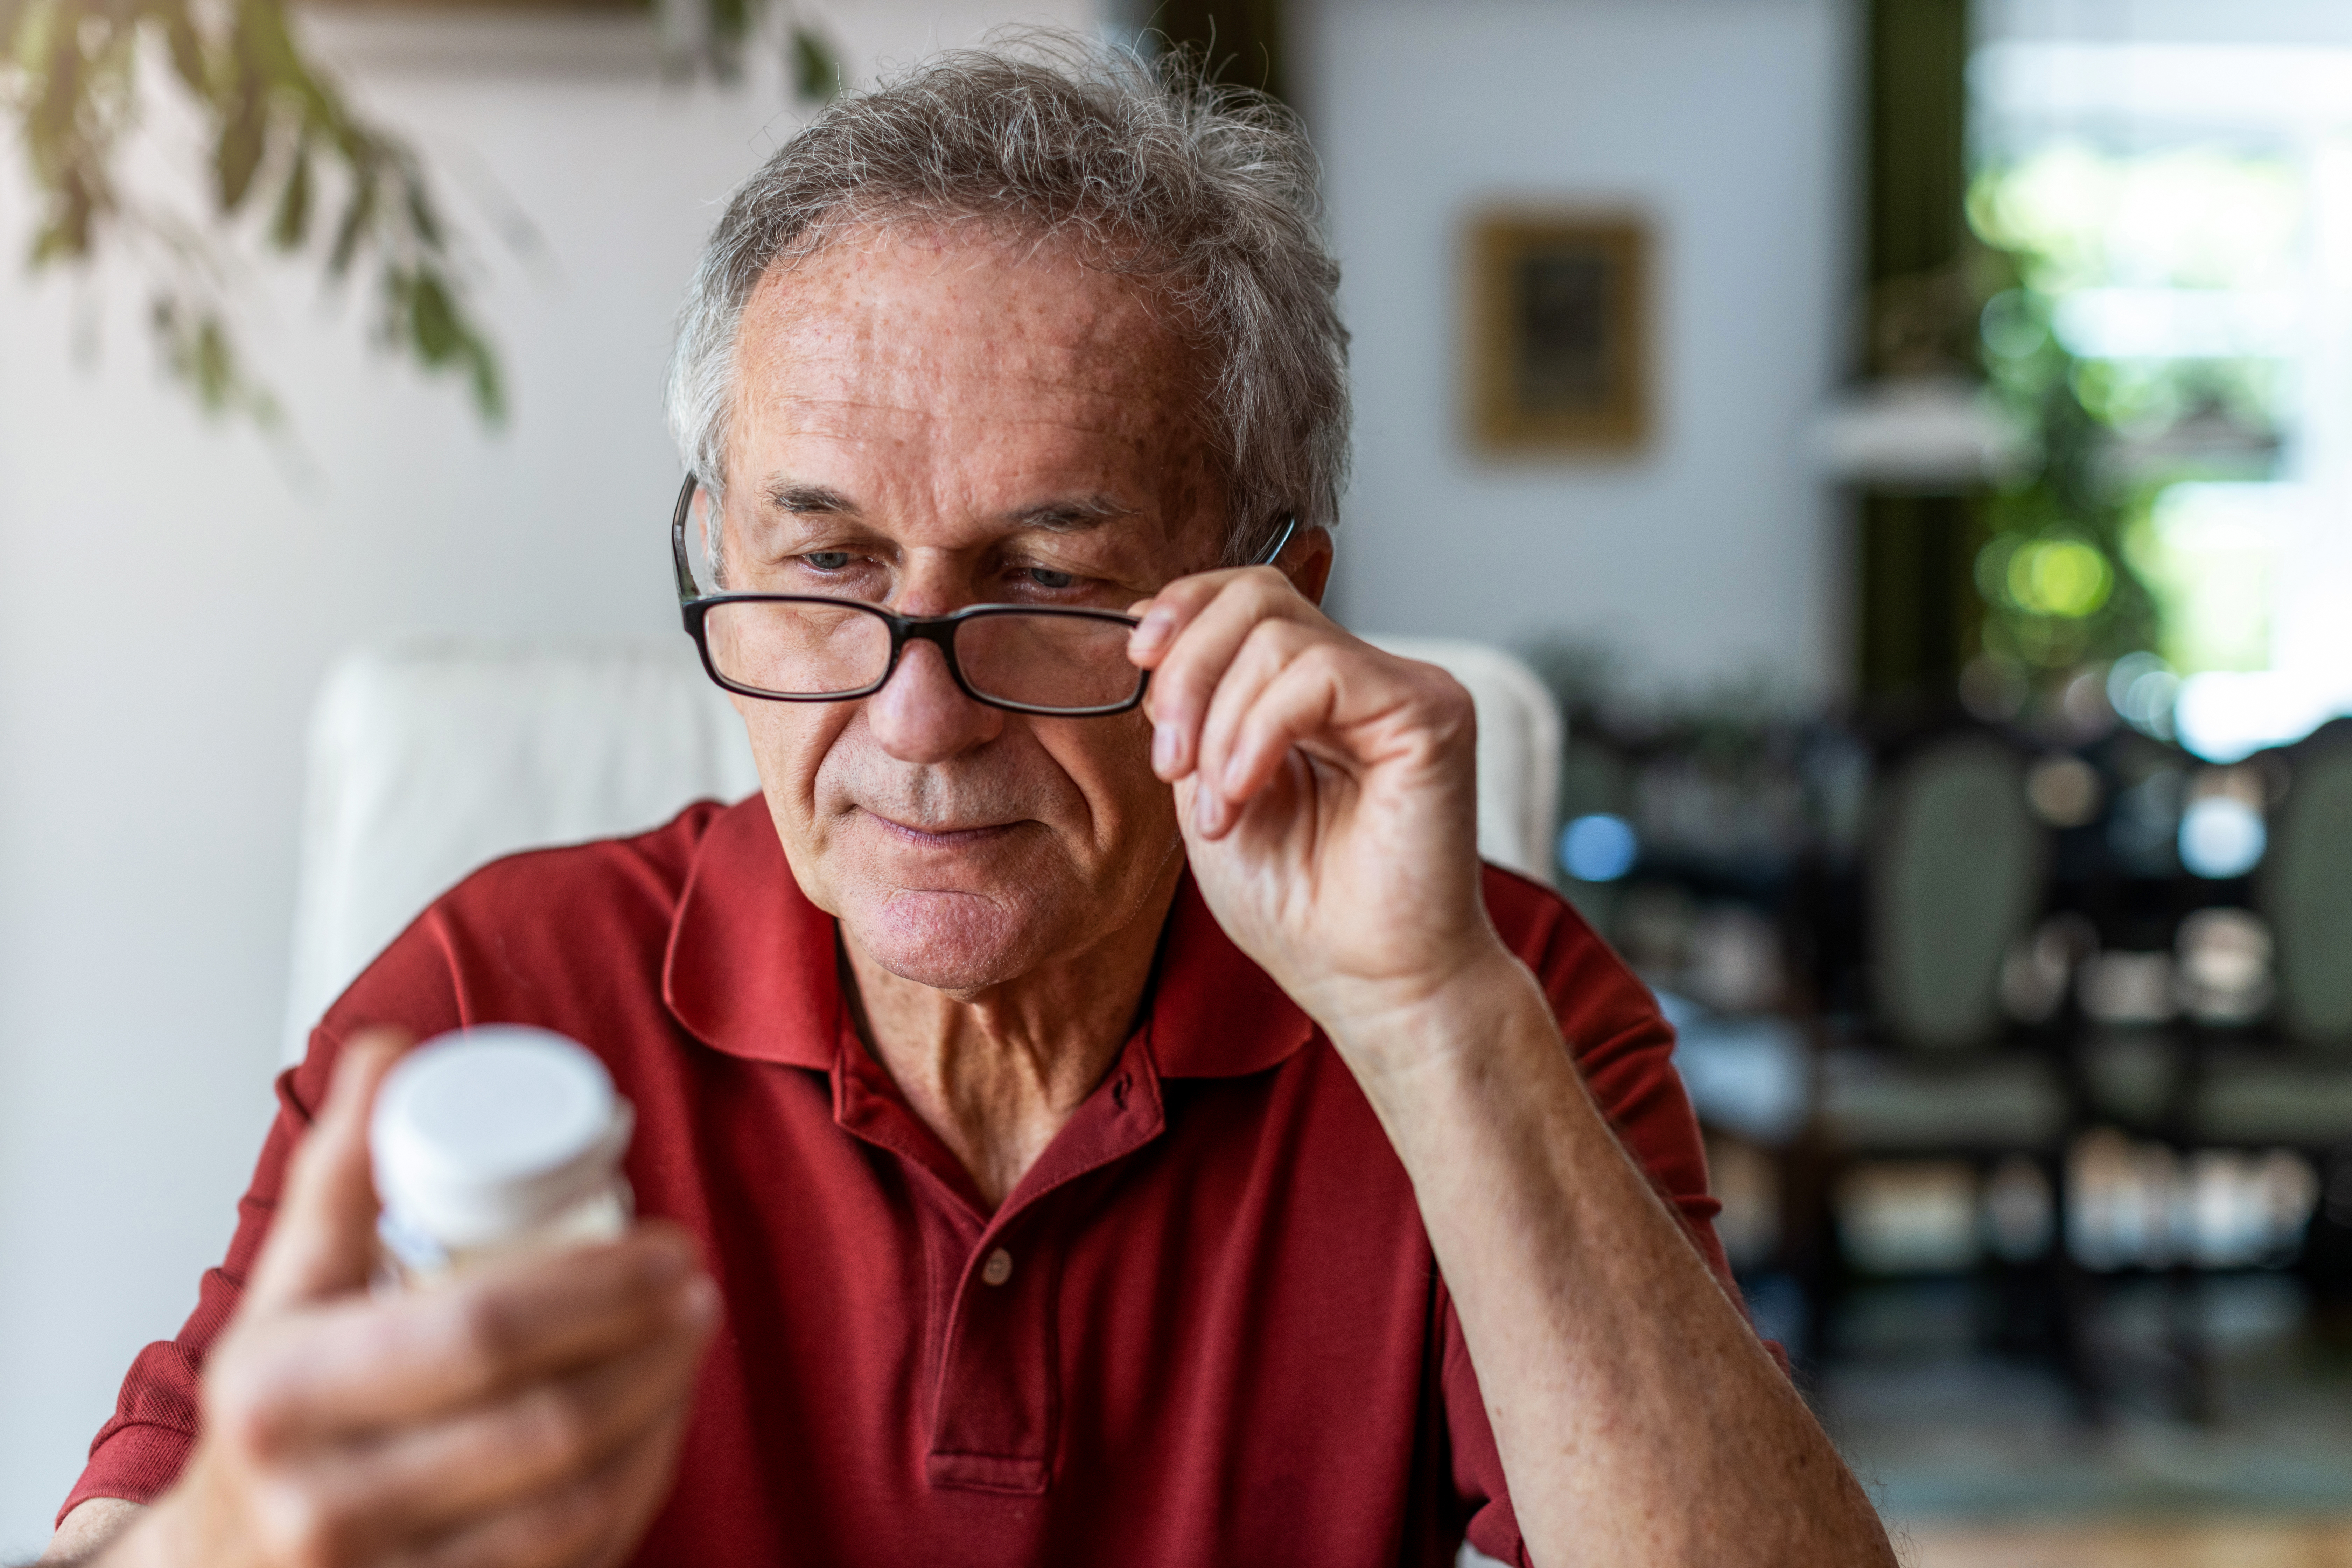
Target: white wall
{"points": [[170, 592], [1713, 556]]}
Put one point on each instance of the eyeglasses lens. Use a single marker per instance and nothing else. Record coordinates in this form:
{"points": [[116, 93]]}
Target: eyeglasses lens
{"points": [[1047, 661], [797, 649]]}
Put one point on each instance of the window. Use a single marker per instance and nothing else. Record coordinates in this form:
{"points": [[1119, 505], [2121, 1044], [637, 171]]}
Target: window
{"points": [[2180, 218]]}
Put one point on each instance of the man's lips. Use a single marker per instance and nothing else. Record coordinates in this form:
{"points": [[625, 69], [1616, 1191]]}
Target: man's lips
{"points": [[939, 837]]}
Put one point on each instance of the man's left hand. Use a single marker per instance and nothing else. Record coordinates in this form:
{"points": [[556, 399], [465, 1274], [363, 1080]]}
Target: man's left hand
{"points": [[1327, 794]]}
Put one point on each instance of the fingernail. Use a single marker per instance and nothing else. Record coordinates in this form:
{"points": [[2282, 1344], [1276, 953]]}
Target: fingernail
{"points": [[1154, 629], [1163, 748], [1208, 811], [697, 1303]]}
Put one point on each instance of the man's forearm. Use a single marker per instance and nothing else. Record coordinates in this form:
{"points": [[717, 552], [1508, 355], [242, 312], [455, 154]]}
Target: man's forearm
{"points": [[89, 1529], [1638, 1418]]}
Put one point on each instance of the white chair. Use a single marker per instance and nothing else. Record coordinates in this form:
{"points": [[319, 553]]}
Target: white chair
{"points": [[429, 758], [1521, 737]]}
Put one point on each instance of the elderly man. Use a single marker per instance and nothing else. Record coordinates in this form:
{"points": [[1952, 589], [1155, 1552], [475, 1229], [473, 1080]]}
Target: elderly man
{"points": [[1093, 1104]]}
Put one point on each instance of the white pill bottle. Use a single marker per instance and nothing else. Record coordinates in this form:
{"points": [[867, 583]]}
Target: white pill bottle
{"points": [[493, 1142]]}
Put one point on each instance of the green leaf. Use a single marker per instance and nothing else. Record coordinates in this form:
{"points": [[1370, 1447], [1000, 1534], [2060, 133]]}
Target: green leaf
{"points": [[816, 72], [199, 353], [55, 116], [357, 214], [421, 215], [245, 125], [433, 320], [731, 20], [68, 76], [291, 223], [490, 394], [215, 363], [66, 234], [239, 154], [187, 49], [421, 312]]}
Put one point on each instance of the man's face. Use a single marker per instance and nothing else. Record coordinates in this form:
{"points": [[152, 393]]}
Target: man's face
{"points": [[929, 420]]}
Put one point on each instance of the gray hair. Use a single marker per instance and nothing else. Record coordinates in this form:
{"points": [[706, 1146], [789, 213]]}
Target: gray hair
{"points": [[1205, 191]]}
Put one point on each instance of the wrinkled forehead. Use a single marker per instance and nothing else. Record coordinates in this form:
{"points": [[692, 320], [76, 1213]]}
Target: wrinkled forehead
{"points": [[968, 347]]}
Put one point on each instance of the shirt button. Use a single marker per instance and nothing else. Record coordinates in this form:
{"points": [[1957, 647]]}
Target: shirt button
{"points": [[997, 1268]]}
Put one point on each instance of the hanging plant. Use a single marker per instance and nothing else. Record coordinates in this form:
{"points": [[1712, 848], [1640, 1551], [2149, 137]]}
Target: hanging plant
{"points": [[286, 150]]}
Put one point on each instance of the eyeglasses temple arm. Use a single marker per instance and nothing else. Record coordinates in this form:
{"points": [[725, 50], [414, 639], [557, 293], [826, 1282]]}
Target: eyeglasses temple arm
{"points": [[1273, 553], [686, 590]]}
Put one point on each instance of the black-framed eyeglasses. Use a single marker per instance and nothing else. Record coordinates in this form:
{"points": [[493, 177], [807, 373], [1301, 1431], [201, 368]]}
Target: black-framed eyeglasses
{"points": [[1056, 660]]}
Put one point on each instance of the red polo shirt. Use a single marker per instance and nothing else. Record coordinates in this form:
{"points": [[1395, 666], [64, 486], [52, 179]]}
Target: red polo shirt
{"points": [[1205, 1327]]}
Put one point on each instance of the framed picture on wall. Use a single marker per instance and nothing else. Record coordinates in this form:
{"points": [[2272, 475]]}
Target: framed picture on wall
{"points": [[1558, 331]]}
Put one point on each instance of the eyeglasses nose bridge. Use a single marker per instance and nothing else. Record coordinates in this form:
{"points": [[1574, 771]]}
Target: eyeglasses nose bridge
{"points": [[939, 631]]}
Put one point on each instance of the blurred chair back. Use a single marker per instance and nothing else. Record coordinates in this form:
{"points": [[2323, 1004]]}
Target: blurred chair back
{"points": [[1521, 738], [2306, 892], [428, 759], [1957, 877]]}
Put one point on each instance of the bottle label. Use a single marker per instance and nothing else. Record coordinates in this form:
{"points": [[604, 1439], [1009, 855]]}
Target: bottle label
{"points": [[414, 1248], [414, 1256]]}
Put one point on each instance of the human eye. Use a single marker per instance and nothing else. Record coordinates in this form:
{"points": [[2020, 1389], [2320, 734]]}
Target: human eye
{"points": [[1054, 572], [838, 570], [1034, 583]]}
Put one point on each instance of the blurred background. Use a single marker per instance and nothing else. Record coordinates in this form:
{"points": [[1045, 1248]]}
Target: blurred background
{"points": [[1912, 438]]}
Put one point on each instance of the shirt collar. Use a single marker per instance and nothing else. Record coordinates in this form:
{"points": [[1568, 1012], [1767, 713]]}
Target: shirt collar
{"points": [[752, 964], [752, 969]]}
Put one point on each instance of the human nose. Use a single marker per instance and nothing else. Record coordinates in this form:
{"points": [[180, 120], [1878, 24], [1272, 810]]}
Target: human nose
{"points": [[921, 715]]}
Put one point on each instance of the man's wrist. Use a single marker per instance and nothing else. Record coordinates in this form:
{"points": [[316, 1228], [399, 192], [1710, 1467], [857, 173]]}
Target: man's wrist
{"points": [[1403, 1040]]}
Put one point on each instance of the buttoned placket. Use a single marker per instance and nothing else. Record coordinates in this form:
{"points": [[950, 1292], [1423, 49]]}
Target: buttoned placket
{"points": [[995, 1392]]}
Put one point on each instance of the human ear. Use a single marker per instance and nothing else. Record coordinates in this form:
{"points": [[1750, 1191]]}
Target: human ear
{"points": [[1309, 567]]}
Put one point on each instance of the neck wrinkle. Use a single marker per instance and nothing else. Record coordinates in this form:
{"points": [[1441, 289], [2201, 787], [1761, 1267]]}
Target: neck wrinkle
{"points": [[997, 1076]]}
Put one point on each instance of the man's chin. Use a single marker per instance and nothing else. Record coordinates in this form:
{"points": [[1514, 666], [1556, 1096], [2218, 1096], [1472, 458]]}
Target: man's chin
{"points": [[957, 942]]}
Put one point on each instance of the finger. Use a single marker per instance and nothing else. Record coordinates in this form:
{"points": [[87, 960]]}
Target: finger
{"points": [[595, 1520], [1264, 653], [369, 1364], [1196, 660], [1358, 712], [1295, 705], [427, 1479], [1168, 611], [322, 1239], [1166, 614]]}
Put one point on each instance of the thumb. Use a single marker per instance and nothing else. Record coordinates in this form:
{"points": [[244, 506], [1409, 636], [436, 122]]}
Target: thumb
{"points": [[322, 1241]]}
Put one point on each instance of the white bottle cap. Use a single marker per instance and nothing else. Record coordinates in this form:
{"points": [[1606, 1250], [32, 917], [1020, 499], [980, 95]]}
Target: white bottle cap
{"points": [[478, 1136]]}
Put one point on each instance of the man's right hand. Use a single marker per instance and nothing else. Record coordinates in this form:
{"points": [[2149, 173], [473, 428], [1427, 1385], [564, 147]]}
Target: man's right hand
{"points": [[523, 1415]]}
